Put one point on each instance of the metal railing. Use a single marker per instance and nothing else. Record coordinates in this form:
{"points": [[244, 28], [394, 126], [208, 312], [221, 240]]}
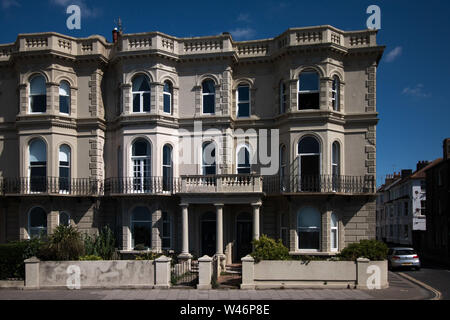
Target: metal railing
{"points": [[51, 185], [319, 184], [142, 185]]}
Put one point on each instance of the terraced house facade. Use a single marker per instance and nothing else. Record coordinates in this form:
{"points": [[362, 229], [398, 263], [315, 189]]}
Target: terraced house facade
{"points": [[90, 135]]}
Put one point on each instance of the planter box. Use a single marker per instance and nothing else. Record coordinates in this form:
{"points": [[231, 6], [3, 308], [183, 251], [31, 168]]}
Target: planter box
{"points": [[363, 274], [97, 274]]}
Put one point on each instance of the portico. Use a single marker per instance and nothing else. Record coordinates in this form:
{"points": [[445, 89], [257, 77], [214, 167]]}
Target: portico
{"points": [[209, 224]]}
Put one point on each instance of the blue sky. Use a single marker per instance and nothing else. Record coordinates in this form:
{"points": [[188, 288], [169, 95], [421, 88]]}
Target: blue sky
{"points": [[413, 76]]}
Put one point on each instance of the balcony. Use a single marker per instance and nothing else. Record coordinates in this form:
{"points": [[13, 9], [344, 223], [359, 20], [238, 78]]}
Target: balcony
{"points": [[141, 185], [229, 183], [50, 186], [319, 184]]}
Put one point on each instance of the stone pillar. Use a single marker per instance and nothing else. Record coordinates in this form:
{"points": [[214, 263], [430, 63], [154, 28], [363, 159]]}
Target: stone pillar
{"points": [[162, 272], [219, 229], [371, 274], [204, 272], [248, 272], [32, 273], [256, 229], [185, 233]]}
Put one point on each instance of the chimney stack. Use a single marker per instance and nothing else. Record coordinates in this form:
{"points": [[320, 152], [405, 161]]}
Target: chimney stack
{"points": [[115, 35], [422, 164], [406, 173], [446, 149]]}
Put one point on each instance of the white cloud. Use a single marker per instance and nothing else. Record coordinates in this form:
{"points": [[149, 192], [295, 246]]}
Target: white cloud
{"points": [[242, 33], [85, 10], [416, 91], [394, 54], [6, 4]]}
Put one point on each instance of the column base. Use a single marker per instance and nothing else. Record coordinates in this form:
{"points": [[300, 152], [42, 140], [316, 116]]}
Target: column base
{"points": [[184, 256]]}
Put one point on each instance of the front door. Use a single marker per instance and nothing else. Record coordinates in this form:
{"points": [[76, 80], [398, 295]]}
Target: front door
{"points": [[208, 237], [244, 235], [310, 173]]}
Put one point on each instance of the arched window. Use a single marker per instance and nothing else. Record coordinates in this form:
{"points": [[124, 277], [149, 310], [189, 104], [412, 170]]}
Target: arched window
{"points": [[64, 168], [309, 164], [38, 165], [308, 90], [141, 227], [209, 97], [167, 167], [283, 97], [335, 93], [37, 222], [283, 181], [334, 233], [166, 234], [336, 164], [308, 224], [209, 158], [141, 94], [243, 100], [243, 160], [64, 219], [38, 94], [64, 97], [140, 158], [168, 92]]}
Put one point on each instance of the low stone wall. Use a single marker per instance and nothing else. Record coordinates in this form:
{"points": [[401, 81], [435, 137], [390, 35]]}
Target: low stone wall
{"points": [[362, 274], [97, 274]]}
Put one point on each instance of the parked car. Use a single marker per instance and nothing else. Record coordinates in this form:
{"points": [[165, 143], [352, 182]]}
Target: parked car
{"points": [[403, 257]]}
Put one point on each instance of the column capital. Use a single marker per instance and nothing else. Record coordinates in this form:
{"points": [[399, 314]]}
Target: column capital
{"points": [[256, 204], [219, 205], [184, 205]]}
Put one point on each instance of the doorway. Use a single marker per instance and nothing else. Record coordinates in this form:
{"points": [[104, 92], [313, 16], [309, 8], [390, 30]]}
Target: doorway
{"points": [[208, 234], [243, 235]]}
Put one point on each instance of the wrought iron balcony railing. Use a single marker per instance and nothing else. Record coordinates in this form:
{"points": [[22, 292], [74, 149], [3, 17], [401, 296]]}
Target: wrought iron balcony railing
{"points": [[323, 183], [51, 185], [233, 183]]}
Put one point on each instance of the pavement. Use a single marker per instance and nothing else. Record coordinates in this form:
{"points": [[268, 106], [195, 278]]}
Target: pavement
{"points": [[400, 288]]}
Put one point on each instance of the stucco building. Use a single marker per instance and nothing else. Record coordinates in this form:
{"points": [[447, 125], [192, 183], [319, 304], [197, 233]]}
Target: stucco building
{"points": [[91, 134]]}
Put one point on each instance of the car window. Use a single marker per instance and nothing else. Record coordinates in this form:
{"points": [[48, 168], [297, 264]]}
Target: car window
{"points": [[404, 252]]}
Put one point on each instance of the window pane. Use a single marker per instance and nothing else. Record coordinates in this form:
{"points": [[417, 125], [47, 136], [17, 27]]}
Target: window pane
{"points": [[37, 86], [244, 170], [208, 104], [333, 239], [140, 83], [308, 239], [166, 243], [209, 169], [146, 101], [38, 218], [308, 101], [142, 233], [38, 103], [141, 214], [167, 155], [63, 219], [167, 104], [309, 81], [136, 102], [208, 86], [309, 218], [38, 151], [308, 145], [140, 148], [243, 109], [64, 104], [243, 93]]}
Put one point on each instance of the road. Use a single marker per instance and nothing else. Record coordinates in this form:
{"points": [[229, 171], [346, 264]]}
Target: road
{"points": [[433, 275]]}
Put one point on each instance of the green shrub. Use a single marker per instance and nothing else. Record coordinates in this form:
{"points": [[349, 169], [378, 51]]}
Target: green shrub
{"points": [[268, 249], [371, 249], [140, 247], [102, 245], [90, 258], [64, 244], [148, 256], [13, 254]]}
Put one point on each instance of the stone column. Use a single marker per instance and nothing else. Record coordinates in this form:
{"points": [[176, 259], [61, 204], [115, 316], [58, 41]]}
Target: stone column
{"points": [[256, 207], [219, 228], [185, 232]]}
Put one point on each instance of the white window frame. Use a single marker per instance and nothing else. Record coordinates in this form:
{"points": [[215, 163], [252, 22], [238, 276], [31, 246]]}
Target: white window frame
{"points": [[132, 222], [29, 94], [142, 167], [141, 96], [65, 95], [169, 94], [69, 166], [299, 92], [298, 236], [243, 101], [170, 165], [208, 94], [335, 93], [283, 97], [336, 230], [238, 149], [203, 165]]}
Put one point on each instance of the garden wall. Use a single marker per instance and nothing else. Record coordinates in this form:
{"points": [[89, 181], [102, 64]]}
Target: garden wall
{"points": [[98, 274], [361, 274]]}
